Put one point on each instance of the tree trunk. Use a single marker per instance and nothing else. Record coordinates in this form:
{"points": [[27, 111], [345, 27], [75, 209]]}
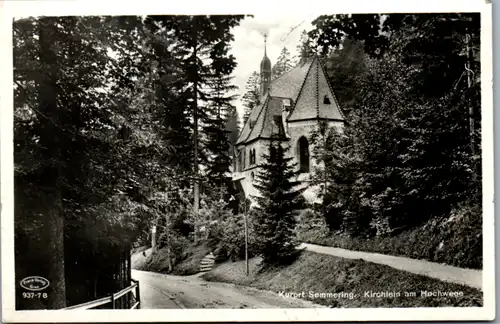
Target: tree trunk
{"points": [[54, 231], [471, 107], [196, 204], [53, 216]]}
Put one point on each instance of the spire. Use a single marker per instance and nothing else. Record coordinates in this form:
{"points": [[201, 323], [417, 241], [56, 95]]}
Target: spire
{"points": [[265, 44], [265, 70]]}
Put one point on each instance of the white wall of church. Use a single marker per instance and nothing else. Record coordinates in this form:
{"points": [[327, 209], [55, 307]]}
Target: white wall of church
{"points": [[299, 129], [296, 130], [247, 172]]}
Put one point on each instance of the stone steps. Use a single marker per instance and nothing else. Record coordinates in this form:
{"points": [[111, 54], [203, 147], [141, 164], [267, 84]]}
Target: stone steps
{"points": [[207, 263]]}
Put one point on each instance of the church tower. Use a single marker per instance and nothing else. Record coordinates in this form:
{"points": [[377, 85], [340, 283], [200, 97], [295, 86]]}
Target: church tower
{"points": [[265, 71]]}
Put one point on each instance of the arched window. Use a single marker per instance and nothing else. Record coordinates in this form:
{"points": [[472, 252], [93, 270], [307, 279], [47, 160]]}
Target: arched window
{"points": [[303, 152]]}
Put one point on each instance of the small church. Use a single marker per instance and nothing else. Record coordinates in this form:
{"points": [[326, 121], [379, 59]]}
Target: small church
{"points": [[290, 108]]}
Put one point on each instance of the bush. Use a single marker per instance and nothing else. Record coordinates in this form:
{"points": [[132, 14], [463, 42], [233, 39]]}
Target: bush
{"points": [[309, 219], [228, 238], [178, 246], [170, 252]]}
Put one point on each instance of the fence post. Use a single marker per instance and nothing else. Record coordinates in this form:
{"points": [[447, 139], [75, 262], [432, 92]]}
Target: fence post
{"points": [[113, 301], [138, 295]]}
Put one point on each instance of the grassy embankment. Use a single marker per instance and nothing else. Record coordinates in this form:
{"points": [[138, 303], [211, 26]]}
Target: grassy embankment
{"points": [[186, 264], [454, 240], [319, 273]]}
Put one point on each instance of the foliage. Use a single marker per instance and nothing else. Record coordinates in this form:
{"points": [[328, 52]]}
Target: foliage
{"points": [[279, 197], [252, 95], [433, 44], [217, 144], [104, 111], [305, 48], [404, 155], [168, 256], [455, 239], [228, 237], [346, 66], [284, 63], [65, 129]]}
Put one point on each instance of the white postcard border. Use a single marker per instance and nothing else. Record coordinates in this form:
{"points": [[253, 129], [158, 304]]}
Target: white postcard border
{"points": [[10, 9]]}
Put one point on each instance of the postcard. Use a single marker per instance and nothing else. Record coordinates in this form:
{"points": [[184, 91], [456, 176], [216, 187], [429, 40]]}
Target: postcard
{"points": [[192, 162]]}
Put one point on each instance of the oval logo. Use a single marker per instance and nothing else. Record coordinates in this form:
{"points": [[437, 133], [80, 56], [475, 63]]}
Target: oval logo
{"points": [[34, 283]]}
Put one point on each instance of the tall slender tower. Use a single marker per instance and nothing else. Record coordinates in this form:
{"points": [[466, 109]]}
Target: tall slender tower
{"points": [[265, 71]]}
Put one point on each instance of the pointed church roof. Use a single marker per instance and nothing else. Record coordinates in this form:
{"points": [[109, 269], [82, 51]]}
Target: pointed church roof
{"points": [[306, 86]]}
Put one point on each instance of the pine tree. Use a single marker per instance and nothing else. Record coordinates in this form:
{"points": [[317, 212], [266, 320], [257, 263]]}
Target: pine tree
{"points": [[284, 63], [202, 42], [252, 95], [217, 138], [279, 197], [304, 49], [167, 100], [345, 66], [232, 129]]}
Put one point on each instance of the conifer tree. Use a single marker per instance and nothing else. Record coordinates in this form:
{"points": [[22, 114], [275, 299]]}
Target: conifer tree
{"points": [[284, 63], [217, 137], [202, 42], [279, 197], [305, 49], [232, 128], [252, 95]]}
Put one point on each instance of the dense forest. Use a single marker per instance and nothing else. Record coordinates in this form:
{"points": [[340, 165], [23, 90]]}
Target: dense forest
{"points": [[123, 122], [409, 158], [107, 115]]}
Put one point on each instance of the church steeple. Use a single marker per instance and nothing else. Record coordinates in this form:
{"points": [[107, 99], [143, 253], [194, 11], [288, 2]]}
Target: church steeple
{"points": [[265, 71]]}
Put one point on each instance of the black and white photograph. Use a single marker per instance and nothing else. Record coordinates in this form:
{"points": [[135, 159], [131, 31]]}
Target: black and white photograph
{"points": [[326, 162]]}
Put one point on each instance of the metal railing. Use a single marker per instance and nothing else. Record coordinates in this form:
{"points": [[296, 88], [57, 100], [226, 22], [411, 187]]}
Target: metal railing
{"points": [[111, 299]]}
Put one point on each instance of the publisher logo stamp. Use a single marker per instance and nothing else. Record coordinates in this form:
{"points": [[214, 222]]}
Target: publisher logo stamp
{"points": [[34, 283]]}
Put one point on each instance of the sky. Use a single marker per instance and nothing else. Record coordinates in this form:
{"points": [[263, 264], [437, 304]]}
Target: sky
{"points": [[248, 45]]}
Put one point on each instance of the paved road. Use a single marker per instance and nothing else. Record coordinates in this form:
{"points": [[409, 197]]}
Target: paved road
{"points": [[467, 277], [166, 291]]}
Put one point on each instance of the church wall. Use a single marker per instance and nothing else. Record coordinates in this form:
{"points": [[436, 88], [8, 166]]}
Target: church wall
{"points": [[295, 131], [245, 174], [305, 128]]}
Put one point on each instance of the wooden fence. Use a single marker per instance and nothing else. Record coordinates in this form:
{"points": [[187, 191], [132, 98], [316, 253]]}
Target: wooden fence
{"points": [[113, 299]]}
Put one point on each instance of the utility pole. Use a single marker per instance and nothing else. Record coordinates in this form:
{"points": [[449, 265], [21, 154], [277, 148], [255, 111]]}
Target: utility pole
{"points": [[246, 236], [245, 219]]}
